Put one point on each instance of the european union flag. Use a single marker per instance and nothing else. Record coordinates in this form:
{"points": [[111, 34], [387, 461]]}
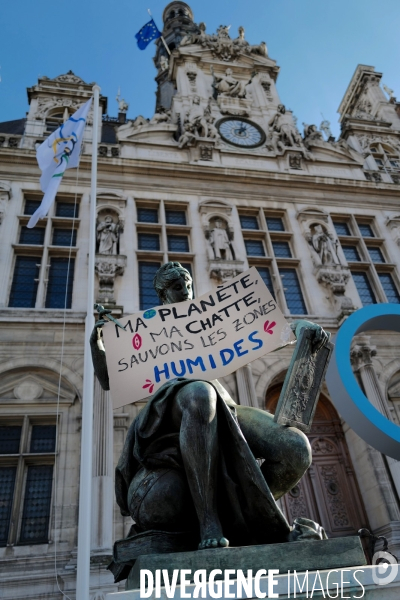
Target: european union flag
{"points": [[146, 34]]}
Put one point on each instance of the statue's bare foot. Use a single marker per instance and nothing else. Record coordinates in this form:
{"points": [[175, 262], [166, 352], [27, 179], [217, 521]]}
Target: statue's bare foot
{"points": [[214, 542]]}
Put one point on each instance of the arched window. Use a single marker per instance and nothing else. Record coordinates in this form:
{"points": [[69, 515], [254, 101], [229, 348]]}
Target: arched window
{"points": [[55, 120]]}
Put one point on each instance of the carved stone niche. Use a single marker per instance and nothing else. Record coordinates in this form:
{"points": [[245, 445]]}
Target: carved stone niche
{"points": [[223, 263], [5, 194], [323, 245], [108, 262], [393, 223]]}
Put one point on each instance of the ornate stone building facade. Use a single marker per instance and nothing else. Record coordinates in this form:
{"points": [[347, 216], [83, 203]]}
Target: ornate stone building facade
{"points": [[222, 179]]}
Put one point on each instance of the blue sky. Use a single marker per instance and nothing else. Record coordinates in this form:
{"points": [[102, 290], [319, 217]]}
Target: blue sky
{"points": [[316, 43]]}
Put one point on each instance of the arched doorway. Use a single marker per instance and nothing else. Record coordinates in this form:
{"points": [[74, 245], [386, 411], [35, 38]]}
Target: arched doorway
{"points": [[328, 493]]}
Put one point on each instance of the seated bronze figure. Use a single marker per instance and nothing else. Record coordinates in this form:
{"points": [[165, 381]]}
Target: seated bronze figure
{"points": [[189, 462]]}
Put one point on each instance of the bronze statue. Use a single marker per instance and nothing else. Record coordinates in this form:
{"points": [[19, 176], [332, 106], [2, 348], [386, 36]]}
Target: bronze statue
{"points": [[189, 462]]}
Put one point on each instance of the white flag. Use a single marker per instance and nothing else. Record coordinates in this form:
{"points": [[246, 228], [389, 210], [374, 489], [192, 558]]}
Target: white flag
{"points": [[60, 151]]}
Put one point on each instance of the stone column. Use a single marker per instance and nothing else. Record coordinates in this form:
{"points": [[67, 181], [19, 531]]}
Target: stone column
{"points": [[102, 482], [389, 469], [246, 388]]}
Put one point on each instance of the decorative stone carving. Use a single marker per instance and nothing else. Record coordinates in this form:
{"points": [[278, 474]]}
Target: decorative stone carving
{"points": [[284, 134], [107, 267], [222, 46], [139, 121], [297, 502], [227, 85], [266, 86], [324, 253], [198, 124], [122, 105], [13, 142], [311, 134], [295, 161], [324, 245], [5, 193], [164, 63], [69, 77], [108, 232], [326, 128], [336, 503], [2, 140], [393, 223], [395, 178], [323, 446], [222, 271], [220, 239], [206, 153], [162, 116]]}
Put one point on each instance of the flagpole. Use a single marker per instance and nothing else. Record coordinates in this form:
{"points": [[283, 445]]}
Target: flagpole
{"points": [[85, 484], [162, 39]]}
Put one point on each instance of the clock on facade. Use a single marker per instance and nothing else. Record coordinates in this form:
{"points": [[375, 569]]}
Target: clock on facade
{"points": [[240, 132]]}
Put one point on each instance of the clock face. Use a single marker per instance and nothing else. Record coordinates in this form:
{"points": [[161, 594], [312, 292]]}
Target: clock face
{"points": [[241, 132]]}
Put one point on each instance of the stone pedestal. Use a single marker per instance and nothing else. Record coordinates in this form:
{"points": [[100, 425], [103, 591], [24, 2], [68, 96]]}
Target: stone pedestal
{"points": [[334, 553]]}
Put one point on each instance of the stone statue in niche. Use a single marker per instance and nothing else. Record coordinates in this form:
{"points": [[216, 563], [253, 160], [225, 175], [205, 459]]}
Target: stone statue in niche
{"points": [[227, 85], [324, 245], [220, 241], [108, 236], [196, 119], [191, 435], [164, 63]]}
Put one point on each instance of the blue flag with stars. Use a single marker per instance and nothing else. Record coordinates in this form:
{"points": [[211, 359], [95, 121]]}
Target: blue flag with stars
{"points": [[146, 34]]}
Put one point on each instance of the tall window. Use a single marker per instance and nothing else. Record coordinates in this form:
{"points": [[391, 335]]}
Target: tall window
{"points": [[148, 296], [163, 235], [374, 274], [270, 248], [43, 274], [27, 450]]}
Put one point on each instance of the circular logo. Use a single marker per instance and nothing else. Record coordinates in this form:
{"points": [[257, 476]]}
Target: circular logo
{"points": [[136, 341], [385, 568], [149, 314]]}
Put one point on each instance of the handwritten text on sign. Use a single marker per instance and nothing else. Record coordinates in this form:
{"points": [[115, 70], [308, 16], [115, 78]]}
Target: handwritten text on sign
{"points": [[205, 338]]}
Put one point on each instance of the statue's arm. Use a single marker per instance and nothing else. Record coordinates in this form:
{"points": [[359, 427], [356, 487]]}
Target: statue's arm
{"points": [[99, 355]]}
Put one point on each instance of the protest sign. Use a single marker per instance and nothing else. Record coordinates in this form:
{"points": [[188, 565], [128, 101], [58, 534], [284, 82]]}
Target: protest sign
{"points": [[205, 338]]}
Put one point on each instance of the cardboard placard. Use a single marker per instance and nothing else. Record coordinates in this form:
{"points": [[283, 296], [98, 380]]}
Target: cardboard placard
{"points": [[205, 338]]}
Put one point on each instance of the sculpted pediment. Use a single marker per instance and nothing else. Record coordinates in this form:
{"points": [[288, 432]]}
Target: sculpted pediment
{"points": [[35, 387]]}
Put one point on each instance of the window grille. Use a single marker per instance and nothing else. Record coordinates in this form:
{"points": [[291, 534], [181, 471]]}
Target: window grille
{"points": [[351, 253], [267, 279], [7, 483], [376, 255], [341, 228], [281, 249], [67, 209], [365, 230], [59, 287], [25, 282], [364, 288], [31, 206], [10, 437], [36, 512], [254, 247], [147, 215], [292, 291], [147, 293], [64, 237], [178, 243], [275, 224], [389, 287], [32, 236], [149, 241], [175, 217], [248, 222], [43, 438]]}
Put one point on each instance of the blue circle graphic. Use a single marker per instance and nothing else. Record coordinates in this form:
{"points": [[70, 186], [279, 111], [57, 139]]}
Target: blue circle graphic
{"points": [[351, 402], [149, 314]]}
